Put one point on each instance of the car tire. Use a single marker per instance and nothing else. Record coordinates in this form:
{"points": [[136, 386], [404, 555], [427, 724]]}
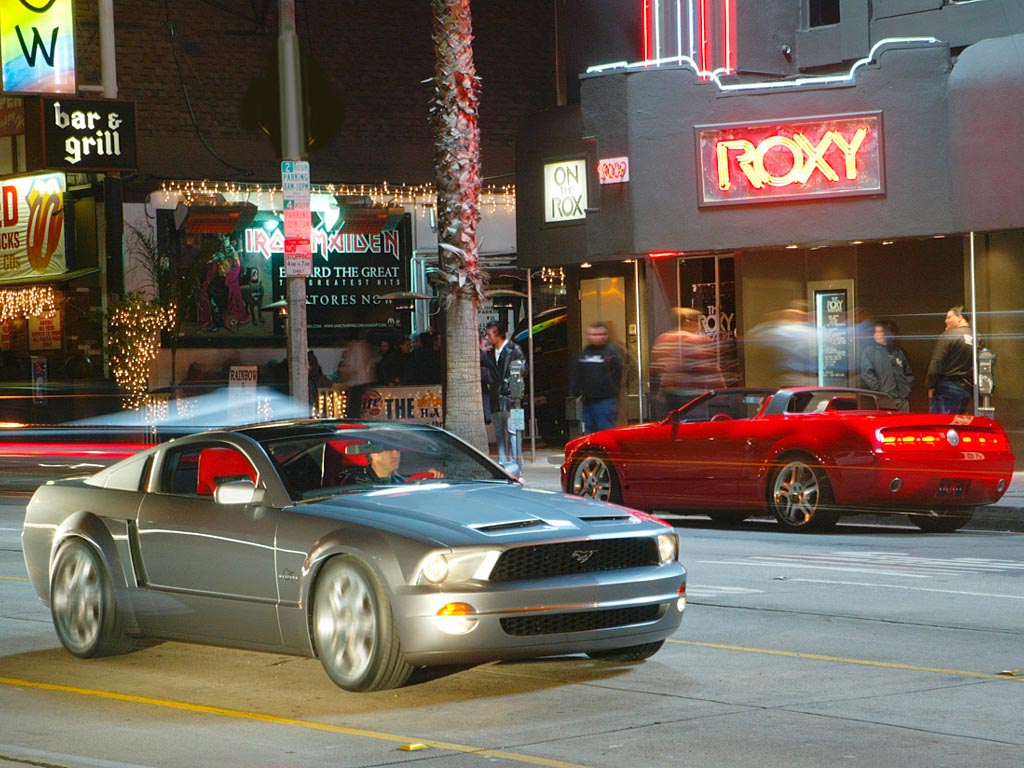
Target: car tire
{"points": [[83, 606], [942, 520], [728, 518], [594, 477], [631, 653], [800, 496], [354, 630]]}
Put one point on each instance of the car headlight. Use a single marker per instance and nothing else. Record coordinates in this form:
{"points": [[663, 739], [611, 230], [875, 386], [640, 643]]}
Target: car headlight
{"points": [[668, 548], [441, 567]]}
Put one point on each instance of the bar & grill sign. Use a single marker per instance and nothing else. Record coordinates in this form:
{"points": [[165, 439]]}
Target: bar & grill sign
{"points": [[80, 134]]}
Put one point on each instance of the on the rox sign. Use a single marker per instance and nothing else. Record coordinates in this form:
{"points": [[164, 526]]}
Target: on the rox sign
{"points": [[815, 157], [565, 190]]}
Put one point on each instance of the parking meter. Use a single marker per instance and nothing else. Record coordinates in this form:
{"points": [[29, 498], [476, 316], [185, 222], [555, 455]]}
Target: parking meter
{"points": [[517, 420], [986, 381], [516, 384]]}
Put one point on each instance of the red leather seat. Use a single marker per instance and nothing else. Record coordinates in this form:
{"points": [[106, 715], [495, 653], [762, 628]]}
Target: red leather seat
{"points": [[220, 464]]}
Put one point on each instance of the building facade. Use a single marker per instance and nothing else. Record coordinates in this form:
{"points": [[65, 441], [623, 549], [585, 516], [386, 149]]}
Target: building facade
{"points": [[824, 163]]}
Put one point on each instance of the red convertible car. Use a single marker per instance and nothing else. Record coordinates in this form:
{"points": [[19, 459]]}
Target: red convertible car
{"points": [[806, 455]]}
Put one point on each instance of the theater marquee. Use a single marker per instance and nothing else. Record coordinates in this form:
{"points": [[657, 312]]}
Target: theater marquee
{"points": [[830, 156]]}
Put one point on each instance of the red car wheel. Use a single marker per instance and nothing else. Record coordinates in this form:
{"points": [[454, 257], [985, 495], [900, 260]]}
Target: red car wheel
{"points": [[801, 497], [593, 477]]}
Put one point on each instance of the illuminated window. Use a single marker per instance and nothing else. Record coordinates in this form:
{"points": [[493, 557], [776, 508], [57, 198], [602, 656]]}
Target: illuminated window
{"points": [[823, 12]]}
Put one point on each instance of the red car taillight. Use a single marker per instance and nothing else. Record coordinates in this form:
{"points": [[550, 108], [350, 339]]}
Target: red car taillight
{"points": [[939, 438]]}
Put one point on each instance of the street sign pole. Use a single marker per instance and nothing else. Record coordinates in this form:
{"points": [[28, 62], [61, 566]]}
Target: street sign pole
{"points": [[293, 148]]}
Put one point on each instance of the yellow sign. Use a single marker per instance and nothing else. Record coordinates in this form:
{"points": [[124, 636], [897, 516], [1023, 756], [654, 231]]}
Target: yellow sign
{"points": [[37, 46], [32, 227]]}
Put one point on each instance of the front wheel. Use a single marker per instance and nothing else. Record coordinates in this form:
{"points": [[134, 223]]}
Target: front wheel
{"points": [[801, 497], [942, 520], [631, 653], [83, 606], [354, 629], [594, 477]]}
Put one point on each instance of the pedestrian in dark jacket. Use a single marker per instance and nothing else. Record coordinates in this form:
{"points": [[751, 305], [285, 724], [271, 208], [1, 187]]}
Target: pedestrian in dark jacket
{"points": [[503, 399], [951, 370], [596, 378], [884, 366]]}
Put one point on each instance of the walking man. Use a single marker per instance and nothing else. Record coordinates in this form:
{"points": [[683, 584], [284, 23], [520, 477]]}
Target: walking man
{"points": [[597, 377]]}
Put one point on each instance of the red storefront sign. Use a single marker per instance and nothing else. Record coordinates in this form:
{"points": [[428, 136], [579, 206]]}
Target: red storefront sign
{"points": [[790, 160]]}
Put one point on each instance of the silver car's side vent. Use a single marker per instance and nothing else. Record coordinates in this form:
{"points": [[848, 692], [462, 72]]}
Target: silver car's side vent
{"points": [[512, 525]]}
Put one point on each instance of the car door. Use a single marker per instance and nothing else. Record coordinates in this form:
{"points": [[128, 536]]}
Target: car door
{"points": [[210, 567]]}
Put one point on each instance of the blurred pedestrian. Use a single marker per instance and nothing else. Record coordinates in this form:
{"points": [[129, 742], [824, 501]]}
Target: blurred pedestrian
{"points": [[951, 370], [356, 370], [596, 378], [684, 363], [884, 366]]}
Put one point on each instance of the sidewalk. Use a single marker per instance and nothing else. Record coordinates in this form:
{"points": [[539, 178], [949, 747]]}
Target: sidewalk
{"points": [[1007, 515]]}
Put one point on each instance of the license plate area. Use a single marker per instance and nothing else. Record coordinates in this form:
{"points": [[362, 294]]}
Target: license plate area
{"points": [[952, 488]]}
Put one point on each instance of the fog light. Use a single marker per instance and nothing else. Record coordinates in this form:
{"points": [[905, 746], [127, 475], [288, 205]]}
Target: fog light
{"points": [[681, 600], [895, 484], [457, 618], [1000, 485]]}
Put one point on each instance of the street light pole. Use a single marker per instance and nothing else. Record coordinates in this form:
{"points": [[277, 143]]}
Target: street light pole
{"points": [[293, 147]]}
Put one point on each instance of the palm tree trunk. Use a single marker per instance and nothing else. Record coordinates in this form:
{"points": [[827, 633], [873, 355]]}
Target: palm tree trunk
{"points": [[457, 168]]}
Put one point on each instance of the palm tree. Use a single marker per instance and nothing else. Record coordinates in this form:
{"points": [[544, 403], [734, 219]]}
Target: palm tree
{"points": [[457, 167]]}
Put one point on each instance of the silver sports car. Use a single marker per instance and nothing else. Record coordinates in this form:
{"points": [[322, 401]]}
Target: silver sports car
{"points": [[377, 548]]}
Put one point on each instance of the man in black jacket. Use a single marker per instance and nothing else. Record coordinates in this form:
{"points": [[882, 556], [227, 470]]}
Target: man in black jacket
{"points": [[951, 370], [505, 352], [596, 378]]}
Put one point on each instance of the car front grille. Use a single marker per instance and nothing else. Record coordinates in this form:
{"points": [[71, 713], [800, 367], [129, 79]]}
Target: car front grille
{"points": [[559, 623], [574, 557]]}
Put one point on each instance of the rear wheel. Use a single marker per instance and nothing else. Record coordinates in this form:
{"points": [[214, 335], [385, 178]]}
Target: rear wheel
{"points": [[593, 477], [354, 629], [83, 605], [942, 520], [801, 497]]}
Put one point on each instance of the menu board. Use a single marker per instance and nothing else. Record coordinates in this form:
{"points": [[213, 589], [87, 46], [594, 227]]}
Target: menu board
{"points": [[832, 326]]}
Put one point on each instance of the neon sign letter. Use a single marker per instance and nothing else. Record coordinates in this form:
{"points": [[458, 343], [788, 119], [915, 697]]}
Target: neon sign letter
{"points": [[824, 156]]}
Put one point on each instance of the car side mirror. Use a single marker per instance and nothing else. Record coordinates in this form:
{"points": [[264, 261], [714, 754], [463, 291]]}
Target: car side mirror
{"points": [[238, 492]]}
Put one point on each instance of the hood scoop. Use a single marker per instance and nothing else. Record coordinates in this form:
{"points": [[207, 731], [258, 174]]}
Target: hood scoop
{"points": [[496, 529]]}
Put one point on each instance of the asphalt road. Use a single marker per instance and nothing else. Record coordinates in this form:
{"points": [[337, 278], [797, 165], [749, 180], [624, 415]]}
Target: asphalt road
{"points": [[868, 646]]}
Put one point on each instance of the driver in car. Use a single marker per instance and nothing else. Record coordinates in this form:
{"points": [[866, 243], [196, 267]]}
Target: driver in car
{"points": [[383, 469]]}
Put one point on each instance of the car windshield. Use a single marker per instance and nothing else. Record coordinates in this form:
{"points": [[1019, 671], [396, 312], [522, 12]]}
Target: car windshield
{"points": [[341, 458], [721, 405]]}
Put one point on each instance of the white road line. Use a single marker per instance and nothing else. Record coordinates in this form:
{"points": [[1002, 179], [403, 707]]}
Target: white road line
{"points": [[710, 590], [915, 589], [823, 568]]}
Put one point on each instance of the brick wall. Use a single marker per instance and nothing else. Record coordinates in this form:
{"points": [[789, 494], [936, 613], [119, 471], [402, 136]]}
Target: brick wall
{"points": [[375, 54]]}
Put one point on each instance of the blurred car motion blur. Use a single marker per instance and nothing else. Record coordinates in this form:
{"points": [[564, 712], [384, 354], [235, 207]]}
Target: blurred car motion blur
{"points": [[32, 452]]}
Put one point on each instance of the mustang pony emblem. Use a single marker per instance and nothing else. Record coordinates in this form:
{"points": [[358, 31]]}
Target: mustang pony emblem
{"points": [[582, 555]]}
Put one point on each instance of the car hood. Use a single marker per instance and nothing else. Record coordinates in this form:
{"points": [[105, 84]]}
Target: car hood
{"points": [[479, 513]]}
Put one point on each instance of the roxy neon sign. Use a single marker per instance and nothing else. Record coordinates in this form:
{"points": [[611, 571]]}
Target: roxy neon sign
{"points": [[820, 157]]}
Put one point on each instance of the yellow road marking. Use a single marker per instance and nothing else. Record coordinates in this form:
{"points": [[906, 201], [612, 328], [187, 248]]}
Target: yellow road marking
{"points": [[13, 578], [847, 660], [276, 720]]}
